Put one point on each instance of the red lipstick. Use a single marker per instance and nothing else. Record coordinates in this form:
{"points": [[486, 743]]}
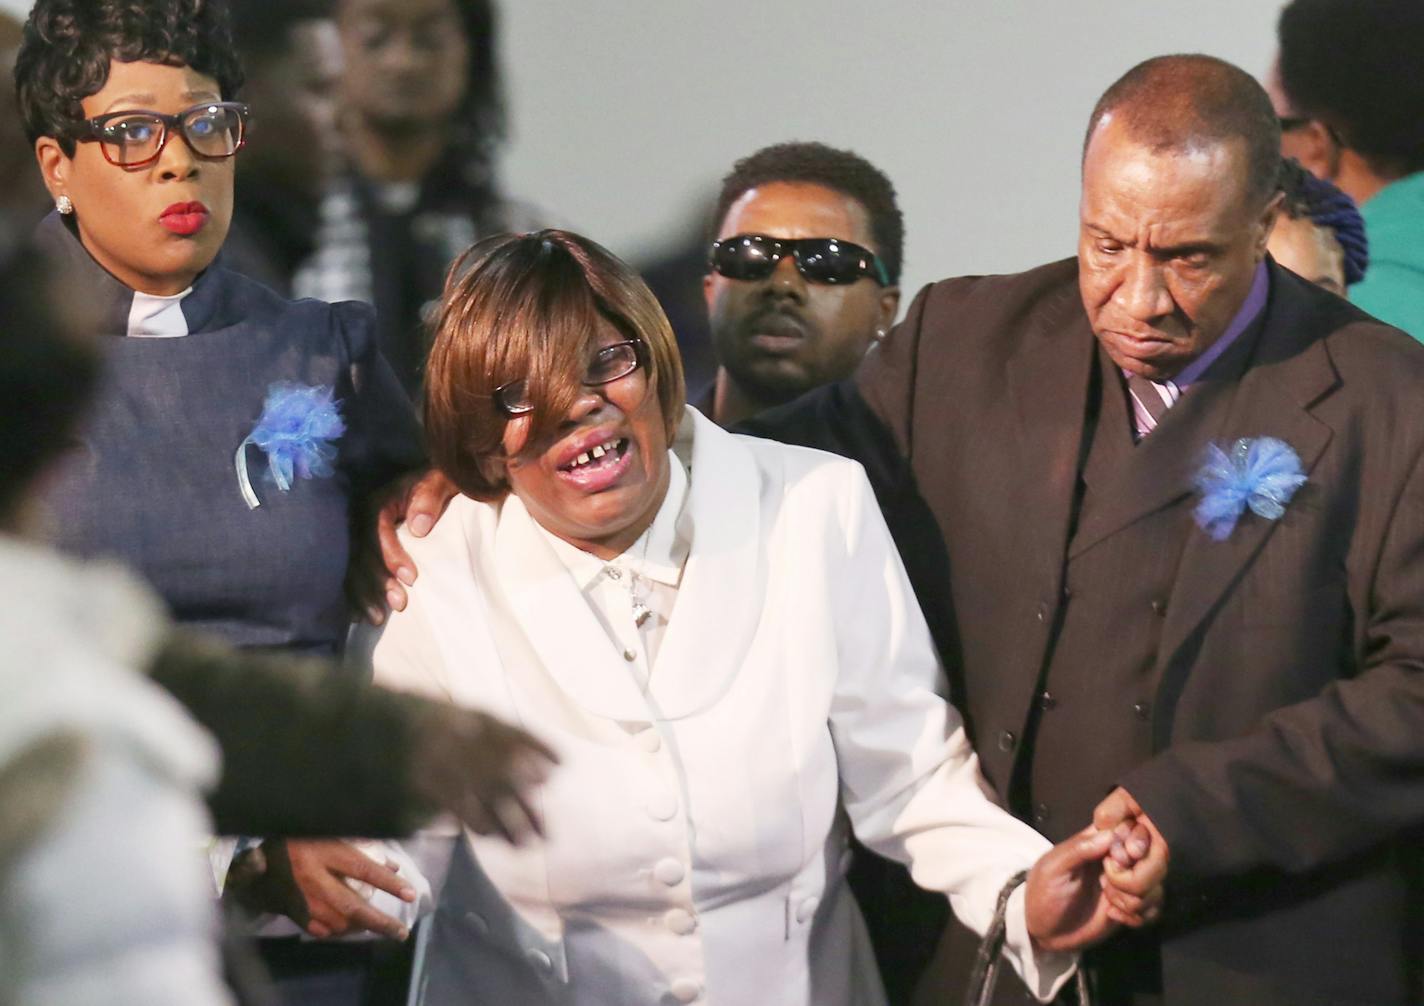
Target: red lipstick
{"points": [[184, 219]]}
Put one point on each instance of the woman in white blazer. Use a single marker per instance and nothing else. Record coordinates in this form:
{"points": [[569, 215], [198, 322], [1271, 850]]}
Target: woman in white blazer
{"points": [[717, 637]]}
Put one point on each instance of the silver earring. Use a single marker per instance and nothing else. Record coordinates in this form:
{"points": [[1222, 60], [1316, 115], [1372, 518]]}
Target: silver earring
{"points": [[64, 205], [880, 335]]}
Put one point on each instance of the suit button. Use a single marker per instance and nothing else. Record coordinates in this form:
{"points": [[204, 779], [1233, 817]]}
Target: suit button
{"points": [[685, 990], [1041, 813], [630, 655], [806, 909], [650, 740], [1159, 608], [1141, 710], [680, 921], [1006, 740], [662, 807], [477, 923], [669, 871], [540, 960], [1046, 701]]}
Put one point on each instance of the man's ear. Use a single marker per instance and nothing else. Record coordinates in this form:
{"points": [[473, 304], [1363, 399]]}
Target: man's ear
{"points": [[54, 165], [888, 309], [1315, 147], [1267, 223]]}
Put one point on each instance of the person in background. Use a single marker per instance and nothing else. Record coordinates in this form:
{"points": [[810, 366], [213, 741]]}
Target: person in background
{"points": [[801, 278], [238, 439], [23, 200], [1352, 100], [291, 55], [1320, 234], [422, 117]]}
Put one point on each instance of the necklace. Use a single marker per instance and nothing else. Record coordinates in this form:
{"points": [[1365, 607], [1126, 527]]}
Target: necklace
{"points": [[637, 585]]}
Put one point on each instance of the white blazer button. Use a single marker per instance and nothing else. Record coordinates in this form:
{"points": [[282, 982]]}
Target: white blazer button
{"points": [[630, 655], [477, 923], [662, 807], [806, 909], [685, 990], [540, 960], [680, 921], [669, 871], [651, 741]]}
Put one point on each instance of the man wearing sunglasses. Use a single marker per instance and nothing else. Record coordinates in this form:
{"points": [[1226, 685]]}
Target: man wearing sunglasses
{"points": [[802, 277]]}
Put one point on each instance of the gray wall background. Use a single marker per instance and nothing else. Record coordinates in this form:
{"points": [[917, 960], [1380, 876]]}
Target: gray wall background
{"points": [[626, 113]]}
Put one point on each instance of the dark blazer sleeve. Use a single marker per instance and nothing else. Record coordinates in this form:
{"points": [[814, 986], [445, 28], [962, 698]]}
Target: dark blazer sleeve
{"points": [[383, 438], [1325, 778], [305, 750]]}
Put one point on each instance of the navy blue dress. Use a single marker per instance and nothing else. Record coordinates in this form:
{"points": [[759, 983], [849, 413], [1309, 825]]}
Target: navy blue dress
{"points": [[153, 481]]}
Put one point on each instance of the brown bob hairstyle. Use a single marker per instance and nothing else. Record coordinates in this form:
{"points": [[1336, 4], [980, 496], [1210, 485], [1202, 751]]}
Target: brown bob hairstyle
{"points": [[530, 306]]}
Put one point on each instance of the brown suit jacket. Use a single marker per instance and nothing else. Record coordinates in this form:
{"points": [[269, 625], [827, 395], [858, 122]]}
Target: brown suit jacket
{"points": [[1287, 726]]}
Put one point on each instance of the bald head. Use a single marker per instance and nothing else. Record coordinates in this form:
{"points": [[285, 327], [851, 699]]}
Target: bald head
{"points": [[1192, 104]]}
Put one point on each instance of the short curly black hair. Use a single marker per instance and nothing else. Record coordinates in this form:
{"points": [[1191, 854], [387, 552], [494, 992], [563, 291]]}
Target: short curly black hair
{"points": [[839, 170], [1354, 65], [68, 44]]}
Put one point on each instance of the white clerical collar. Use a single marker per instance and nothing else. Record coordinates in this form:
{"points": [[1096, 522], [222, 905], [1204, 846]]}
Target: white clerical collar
{"points": [[153, 317], [667, 544]]}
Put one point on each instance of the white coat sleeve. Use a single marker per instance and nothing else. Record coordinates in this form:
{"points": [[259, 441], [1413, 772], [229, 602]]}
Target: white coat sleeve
{"points": [[910, 780], [112, 903]]}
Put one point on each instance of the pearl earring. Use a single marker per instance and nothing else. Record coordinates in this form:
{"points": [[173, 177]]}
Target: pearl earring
{"points": [[880, 335], [64, 205]]}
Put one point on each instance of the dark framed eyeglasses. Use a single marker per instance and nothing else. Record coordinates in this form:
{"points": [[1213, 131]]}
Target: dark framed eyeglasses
{"points": [[608, 364], [820, 260], [134, 139]]}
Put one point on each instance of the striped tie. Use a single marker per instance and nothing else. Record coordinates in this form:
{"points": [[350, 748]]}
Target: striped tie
{"points": [[1150, 402]]}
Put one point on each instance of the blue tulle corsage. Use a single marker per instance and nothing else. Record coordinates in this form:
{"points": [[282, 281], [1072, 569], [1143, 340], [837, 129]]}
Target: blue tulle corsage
{"points": [[298, 429], [1261, 473]]}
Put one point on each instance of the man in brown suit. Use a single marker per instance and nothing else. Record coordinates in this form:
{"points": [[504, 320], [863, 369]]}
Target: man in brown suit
{"points": [[1258, 691]]}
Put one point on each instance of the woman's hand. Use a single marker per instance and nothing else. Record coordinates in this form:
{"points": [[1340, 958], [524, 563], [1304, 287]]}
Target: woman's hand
{"points": [[1070, 902], [381, 568], [307, 882]]}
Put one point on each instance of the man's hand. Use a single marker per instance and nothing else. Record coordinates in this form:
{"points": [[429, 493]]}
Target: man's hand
{"points": [[479, 769], [306, 882], [385, 567], [1136, 866]]}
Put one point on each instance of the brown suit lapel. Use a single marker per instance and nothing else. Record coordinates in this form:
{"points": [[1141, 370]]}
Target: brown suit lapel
{"points": [[1291, 370], [1048, 381]]}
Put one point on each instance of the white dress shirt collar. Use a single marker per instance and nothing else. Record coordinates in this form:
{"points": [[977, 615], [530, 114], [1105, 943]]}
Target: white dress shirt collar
{"points": [[153, 317]]}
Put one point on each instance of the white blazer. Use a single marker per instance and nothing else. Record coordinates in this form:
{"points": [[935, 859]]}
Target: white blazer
{"points": [[696, 844]]}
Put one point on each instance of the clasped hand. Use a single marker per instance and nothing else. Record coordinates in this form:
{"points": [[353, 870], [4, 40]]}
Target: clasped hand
{"points": [[1106, 876]]}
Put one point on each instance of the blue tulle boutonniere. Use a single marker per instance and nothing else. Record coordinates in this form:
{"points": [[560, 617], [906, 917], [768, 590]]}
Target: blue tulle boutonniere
{"points": [[299, 425], [1261, 473]]}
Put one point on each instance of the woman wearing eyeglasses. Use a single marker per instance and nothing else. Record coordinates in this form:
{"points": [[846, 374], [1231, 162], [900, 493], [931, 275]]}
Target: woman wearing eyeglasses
{"points": [[717, 636], [236, 433]]}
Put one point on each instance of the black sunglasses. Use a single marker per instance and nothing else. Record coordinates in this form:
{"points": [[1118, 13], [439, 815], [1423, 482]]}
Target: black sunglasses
{"points": [[214, 129], [820, 260], [608, 365]]}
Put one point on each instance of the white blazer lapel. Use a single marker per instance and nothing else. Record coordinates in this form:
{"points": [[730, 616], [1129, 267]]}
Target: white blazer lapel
{"points": [[558, 622], [719, 602]]}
